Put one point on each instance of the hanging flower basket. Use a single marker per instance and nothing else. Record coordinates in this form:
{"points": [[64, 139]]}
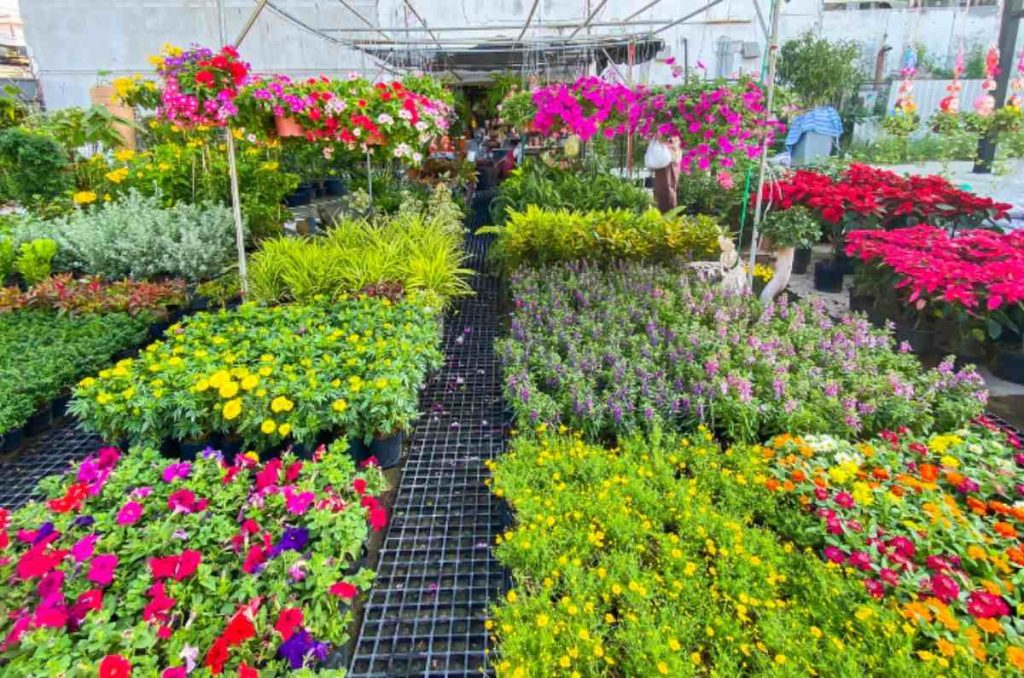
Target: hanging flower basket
{"points": [[287, 126]]}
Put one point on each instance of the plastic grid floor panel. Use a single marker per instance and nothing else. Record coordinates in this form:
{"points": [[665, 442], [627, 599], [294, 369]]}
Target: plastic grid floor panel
{"points": [[50, 453], [436, 575]]}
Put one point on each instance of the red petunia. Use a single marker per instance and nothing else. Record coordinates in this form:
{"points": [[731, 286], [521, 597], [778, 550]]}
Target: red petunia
{"points": [[344, 589], [287, 620], [115, 666], [217, 656], [205, 78]]}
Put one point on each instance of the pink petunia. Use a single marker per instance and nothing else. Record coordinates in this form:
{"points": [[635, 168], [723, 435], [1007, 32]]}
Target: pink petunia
{"points": [[84, 547], [101, 570], [129, 513]]}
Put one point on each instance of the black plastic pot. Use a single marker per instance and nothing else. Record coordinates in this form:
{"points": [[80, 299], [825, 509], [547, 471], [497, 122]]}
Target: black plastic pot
{"points": [[334, 186], [12, 440], [876, 317], [230, 446], [828, 277], [801, 260], [198, 303], [59, 406], [387, 451], [861, 302], [921, 340], [1010, 363], [189, 449], [157, 329], [303, 195], [39, 422], [844, 262]]}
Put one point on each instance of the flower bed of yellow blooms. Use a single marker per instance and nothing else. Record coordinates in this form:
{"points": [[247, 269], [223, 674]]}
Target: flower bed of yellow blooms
{"points": [[271, 375]]}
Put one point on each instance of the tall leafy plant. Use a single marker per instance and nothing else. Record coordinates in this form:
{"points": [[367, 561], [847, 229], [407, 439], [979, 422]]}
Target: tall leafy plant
{"points": [[820, 71]]}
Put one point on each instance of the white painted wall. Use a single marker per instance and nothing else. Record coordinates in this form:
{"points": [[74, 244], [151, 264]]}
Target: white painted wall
{"points": [[72, 40]]}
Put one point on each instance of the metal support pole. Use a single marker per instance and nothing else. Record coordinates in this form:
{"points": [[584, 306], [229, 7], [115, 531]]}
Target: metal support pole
{"points": [[773, 52], [369, 178], [1008, 25], [236, 199]]}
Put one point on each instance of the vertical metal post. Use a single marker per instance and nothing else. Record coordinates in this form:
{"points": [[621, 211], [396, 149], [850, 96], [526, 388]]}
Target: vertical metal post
{"points": [[773, 51], [236, 200], [369, 178], [1008, 25]]}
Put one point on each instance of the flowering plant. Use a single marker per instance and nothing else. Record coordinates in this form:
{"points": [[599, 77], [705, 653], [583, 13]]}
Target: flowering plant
{"points": [[930, 523], [717, 126], [137, 563], [269, 375], [200, 85], [627, 563], [640, 348], [867, 197], [356, 113]]}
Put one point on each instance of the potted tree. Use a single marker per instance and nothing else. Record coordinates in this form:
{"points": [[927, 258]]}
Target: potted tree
{"points": [[784, 231]]}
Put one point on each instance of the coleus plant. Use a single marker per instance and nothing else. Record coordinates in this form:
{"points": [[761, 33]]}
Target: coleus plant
{"points": [[135, 562]]}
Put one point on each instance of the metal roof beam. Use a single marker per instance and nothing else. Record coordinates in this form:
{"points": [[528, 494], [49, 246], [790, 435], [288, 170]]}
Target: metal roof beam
{"points": [[529, 18], [590, 18], [366, 21], [692, 14]]}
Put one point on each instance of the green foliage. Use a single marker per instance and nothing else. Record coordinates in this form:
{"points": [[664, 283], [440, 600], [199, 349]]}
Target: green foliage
{"points": [[43, 352], [272, 375], [138, 237], [75, 128], [7, 256], [12, 111], [819, 71], [422, 250], [568, 189], [795, 227], [33, 166], [537, 237], [644, 561], [894, 150], [35, 258]]}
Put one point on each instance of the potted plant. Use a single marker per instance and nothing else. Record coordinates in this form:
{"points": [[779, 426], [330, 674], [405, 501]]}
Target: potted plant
{"points": [[786, 230], [1006, 328], [200, 85]]}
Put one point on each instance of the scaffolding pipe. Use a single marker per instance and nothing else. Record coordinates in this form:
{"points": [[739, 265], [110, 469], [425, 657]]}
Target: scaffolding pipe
{"points": [[554, 25], [529, 18], [589, 18], [641, 10], [688, 16], [773, 53], [364, 19]]}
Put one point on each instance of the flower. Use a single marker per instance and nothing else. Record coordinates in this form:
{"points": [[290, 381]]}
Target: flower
{"points": [[985, 605], [268, 426], [281, 404], [232, 409], [287, 620], [176, 471], [299, 646], [84, 197], [344, 589], [130, 513], [101, 570], [115, 666]]}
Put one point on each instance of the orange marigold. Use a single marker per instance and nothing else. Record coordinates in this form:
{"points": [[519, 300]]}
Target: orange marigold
{"points": [[990, 626], [1015, 656], [1005, 529], [929, 472]]}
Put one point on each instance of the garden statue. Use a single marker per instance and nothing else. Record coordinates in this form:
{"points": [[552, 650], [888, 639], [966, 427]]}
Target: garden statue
{"points": [[733, 278]]}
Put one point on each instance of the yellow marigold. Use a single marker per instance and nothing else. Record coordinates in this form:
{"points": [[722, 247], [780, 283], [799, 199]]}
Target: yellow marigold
{"points": [[268, 426], [219, 377], [228, 389], [118, 175], [284, 429], [250, 382], [339, 405], [663, 668], [84, 197], [124, 155], [232, 409], [87, 382], [281, 404], [542, 621]]}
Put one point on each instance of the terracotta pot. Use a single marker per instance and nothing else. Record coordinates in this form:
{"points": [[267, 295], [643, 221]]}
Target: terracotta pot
{"points": [[288, 126]]}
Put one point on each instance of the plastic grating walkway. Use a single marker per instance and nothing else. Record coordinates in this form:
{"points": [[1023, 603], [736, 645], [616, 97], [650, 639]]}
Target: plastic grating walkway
{"points": [[51, 453], [436, 575]]}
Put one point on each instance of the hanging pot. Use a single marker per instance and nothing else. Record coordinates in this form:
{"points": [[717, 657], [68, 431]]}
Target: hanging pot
{"points": [[828, 276], [287, 126], [801, 260], [1010, 363]]}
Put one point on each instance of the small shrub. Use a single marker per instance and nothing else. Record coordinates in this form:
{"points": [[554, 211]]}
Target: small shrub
{"points": [[32, 165], [35, 258], [138, 237]]}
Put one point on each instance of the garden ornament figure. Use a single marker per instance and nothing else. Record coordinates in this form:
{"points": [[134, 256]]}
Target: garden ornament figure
{"points": [[733, 278]]}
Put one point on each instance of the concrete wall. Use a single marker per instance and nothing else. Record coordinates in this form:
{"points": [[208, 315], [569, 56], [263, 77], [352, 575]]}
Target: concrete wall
{"points": [[71, 41]]}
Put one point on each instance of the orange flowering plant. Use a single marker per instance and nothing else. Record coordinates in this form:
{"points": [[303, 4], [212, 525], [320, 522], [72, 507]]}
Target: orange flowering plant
{"points": [[933, 524]]}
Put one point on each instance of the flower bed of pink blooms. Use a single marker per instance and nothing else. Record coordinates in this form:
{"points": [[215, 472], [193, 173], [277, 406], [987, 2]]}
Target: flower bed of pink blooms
{"points": [[140, 563]]}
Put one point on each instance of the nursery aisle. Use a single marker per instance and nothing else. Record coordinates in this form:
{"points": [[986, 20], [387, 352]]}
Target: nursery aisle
{"points": [[436, 575]]}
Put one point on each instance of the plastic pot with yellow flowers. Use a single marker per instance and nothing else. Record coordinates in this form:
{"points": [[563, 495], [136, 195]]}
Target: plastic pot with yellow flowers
{"points": [[264, 378]]}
